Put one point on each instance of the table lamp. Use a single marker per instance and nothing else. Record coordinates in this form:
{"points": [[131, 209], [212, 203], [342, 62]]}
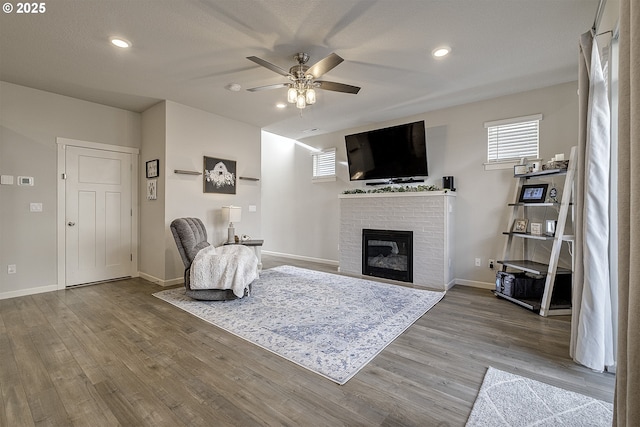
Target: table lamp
{"points": [[232, 214]]}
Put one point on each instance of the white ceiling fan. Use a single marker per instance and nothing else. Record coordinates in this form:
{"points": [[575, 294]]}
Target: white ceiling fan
{"points": [[302, 78]]}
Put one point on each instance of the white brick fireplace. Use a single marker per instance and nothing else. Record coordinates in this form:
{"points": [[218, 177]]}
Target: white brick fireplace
{"points": [[429, 214]]}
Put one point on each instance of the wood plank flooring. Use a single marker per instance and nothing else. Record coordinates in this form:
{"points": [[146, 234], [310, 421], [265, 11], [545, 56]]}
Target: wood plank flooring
{"points": [[112, 354]]}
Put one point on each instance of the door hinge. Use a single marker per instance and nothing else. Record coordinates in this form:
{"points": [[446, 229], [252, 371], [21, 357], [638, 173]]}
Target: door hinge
{"points": [[131, 257], [64, 176]]}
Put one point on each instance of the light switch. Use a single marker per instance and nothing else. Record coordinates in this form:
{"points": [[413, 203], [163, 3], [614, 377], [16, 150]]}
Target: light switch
{"points": [[252, 208], [35, 207], [6, 179]]}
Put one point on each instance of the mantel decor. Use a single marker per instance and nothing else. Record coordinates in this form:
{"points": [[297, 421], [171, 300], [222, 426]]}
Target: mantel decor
{"points": [[396, 189], [219, 176]]}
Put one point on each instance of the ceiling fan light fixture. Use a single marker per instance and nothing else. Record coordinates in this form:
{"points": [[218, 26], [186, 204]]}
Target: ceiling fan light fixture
{"points": [[439, 52], [292, 95], [310, 96], [301, 102]]}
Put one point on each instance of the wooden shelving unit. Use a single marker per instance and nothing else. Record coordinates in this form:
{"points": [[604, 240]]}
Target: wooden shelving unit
{"points": [[545, 306]]}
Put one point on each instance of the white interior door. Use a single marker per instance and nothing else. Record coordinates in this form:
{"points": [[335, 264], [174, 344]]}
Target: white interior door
{"points": [[98, 215]]}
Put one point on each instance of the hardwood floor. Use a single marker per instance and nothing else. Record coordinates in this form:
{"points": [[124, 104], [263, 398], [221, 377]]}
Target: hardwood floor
{"points": [[112, 354]]}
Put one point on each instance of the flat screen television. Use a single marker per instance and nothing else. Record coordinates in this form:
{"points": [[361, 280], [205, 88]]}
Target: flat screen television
{"points": [[391, 153]]}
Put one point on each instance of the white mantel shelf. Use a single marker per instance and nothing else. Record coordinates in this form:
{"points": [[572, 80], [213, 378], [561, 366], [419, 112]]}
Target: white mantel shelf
{"points": [[399, 194], [428, 214]]}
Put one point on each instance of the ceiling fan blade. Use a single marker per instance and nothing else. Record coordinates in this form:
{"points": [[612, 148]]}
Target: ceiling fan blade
{"points": [[268, 65], [276, 86], [324, 65], [337, 87]]}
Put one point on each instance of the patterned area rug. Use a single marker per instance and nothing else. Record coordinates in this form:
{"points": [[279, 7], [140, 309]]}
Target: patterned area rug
{"points": [[510, 400], [330, 324]]}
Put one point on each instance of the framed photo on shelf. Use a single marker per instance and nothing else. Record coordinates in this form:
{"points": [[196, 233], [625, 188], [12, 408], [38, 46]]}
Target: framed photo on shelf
{"points": [[520, 225], [550, 228], [533, 193], [520, 170], [536, 228], [153, 168]]}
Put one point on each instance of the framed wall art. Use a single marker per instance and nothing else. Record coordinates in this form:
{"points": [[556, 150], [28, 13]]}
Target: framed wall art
{"points": [[152, 189], [219, 176], [153, 168]]}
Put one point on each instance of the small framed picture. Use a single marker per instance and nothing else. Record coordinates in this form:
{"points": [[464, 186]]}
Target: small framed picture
{"points": [[550, 228], [520, 225], [153, 169], [533, 193], [536, 228], [520, 170], [152, 189]]}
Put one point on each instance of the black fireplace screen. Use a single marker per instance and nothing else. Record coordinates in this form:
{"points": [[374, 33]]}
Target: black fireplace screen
{"points": [[388, 254]]}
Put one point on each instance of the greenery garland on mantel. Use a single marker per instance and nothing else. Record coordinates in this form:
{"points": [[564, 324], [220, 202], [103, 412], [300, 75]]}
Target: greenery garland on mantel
{"points": [[395, 189]]}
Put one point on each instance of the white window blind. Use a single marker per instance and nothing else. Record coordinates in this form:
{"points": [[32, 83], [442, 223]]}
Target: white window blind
{"points": [[513, 139], [324, 164]]}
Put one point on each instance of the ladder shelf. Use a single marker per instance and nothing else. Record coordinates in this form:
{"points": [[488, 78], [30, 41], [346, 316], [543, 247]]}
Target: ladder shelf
{"points": [[549, 303]]}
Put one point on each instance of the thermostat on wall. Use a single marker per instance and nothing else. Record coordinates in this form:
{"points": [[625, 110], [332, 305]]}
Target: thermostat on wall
{"points": [[25, 180]]}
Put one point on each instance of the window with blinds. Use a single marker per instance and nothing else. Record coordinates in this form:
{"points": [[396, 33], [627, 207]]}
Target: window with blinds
{"points": [[512, 139], [324, 165]]}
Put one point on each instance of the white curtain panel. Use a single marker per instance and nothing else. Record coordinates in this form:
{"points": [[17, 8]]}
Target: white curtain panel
{"points": [[592, 330]]}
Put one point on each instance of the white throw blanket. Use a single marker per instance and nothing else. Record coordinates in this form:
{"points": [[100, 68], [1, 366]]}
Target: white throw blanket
{"points": [[224, 267]]}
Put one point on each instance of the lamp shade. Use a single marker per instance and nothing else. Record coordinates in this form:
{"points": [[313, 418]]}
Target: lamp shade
{"points": [[232, 213], [301, 102], [292, 95]]}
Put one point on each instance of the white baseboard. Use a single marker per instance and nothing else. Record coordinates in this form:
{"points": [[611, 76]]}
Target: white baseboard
{"points": [[160, 282], [475, 284], [302, 258], [30, 291], [449, 285]]}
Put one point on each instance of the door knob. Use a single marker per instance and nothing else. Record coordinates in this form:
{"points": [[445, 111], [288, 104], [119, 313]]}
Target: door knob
{"points": [[71, 224]]}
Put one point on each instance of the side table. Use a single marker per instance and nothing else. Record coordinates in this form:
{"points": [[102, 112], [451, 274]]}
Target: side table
{"points": [[257, 247]]}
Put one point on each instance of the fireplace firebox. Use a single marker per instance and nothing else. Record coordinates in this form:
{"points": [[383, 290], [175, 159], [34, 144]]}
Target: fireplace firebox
{"points": [[388, 254]]}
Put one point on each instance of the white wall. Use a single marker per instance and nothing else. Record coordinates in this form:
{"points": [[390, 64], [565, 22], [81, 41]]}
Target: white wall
{"points": [[180, 137], [152, 212], [299, 216], [456, 144], [30, 122]]}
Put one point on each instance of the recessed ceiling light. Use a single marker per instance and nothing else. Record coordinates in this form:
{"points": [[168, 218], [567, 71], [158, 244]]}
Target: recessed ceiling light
{"points": [[233, 87], [281, 105], [441, 51], [120, 42]]}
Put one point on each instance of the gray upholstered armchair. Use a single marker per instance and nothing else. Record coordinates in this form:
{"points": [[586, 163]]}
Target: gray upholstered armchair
{"points": [[191, 237]]}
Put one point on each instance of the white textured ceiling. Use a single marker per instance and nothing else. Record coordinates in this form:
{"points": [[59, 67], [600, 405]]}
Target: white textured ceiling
{"points": [[188, 51]]}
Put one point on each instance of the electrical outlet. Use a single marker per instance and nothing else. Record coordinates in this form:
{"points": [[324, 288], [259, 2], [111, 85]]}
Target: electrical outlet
{"points": [[11, 269], [478, 262], [492, 264]]}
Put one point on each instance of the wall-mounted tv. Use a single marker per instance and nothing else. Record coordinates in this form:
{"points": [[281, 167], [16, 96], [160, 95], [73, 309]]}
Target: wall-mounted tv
{"points": [[389, 153]]}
